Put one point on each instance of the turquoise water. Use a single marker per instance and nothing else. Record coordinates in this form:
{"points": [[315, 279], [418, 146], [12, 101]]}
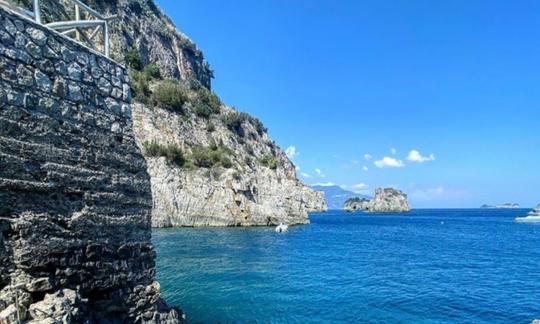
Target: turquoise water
{"points": [[429, 266]]}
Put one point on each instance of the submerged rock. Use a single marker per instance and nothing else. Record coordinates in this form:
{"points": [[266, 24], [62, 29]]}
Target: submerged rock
{"points": [[386, 200]]}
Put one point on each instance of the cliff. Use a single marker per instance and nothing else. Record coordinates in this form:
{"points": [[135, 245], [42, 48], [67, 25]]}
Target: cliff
{"points": [[228, 171], [140, 28], [232, 175], [315, 200], [356, 204], [389, 200], [75, 197], [386, 200]]}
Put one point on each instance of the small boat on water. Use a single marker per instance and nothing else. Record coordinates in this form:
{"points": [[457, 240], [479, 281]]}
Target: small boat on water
{"points": [[533, 216], [281, 228]]}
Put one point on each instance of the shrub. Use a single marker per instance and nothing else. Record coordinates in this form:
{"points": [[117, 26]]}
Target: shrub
{"points": [[170, 95], [207, 103], [234, 120], [172, 153], [133, 60], [140, 87], [269, 161], [210, 127], [194, 84], [152, 71], [226, 163], [259, 126], [211, 156]]}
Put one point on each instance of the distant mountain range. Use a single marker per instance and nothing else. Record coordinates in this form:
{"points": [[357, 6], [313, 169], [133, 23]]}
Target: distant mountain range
{"points": [[336, 196]]}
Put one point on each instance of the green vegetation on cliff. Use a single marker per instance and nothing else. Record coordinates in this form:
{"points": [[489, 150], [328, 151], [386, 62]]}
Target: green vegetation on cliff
{"points": [[172, 153]]}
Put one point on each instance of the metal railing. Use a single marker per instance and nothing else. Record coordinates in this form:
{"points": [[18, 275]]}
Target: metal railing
{"points": [[94, 20]]}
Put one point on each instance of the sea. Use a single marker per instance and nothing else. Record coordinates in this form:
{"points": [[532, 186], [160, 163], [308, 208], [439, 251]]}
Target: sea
{"points": [[427, 266]]}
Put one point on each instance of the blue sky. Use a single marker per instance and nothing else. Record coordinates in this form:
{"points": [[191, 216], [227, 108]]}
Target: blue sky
{"points": [[338, 80]]}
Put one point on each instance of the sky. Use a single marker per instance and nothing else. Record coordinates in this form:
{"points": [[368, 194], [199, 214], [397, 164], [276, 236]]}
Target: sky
{"points": [[438, 98]]}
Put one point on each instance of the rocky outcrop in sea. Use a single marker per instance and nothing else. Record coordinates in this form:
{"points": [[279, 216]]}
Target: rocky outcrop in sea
{"points": [[75, 197], [386, 200], [356, 204], [315, 200]]}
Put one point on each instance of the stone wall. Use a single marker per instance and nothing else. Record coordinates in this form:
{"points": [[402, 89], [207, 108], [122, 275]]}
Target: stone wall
{"points": [[75, 197]]}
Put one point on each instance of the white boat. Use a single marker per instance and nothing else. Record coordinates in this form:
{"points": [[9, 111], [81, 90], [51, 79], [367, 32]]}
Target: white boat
{"points": [[281, 228], [533, 216]]}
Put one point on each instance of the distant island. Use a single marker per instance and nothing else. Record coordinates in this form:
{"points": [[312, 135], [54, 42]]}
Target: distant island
{"points": [[387, 200], [501, 206]]}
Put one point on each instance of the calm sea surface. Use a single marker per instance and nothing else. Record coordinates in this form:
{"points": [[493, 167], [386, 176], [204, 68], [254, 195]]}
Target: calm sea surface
{"points": [[429, 266]]}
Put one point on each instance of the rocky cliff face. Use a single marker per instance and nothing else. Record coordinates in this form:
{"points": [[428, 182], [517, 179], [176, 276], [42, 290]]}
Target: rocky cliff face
{"points": [[356, 204], [75, 197], [257, 186], [315, 200], [140, 28], [233, 173], [387, 200]]}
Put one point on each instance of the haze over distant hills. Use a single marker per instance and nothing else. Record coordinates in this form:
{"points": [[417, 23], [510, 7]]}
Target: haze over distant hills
{"points": [[336, 196]]}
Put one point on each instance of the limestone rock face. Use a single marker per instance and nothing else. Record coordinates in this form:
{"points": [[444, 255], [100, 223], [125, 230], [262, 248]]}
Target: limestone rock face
{"points": [[386, 200], [356, 204], [247, 194], [142, 28], [75, 197], [315, 200], [389, 200]]}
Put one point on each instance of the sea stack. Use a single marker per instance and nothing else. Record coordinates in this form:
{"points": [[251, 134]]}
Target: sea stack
{"points": [[387, 200], [356, 204]]}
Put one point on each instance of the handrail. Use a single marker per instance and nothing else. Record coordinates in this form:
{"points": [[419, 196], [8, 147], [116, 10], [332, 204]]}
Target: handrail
{"points": [[76, 26]]}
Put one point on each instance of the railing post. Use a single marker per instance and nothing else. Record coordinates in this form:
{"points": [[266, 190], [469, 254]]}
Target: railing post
{"points": [[37, 13], [77, 18], [106, 36]]}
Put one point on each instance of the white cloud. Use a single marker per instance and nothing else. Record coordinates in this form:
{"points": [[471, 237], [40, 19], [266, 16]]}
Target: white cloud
{"points": [[324, 184], [415, 156], [365, 168], [291, 152], [357, 188], [393, 151], [320, 173], [389, 162], [368, 157], [427, 194], [360, 186], [305, 175]]}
